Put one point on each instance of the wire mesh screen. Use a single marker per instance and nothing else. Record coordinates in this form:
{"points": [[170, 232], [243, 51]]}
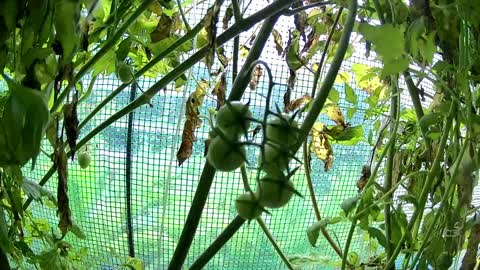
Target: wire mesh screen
{"points": [[133, 200]]}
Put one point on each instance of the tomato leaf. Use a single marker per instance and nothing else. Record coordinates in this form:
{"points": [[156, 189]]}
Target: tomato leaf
{"points": [[5, 242], [350, 95], [378, 234], [348, 204], [314, 230]]}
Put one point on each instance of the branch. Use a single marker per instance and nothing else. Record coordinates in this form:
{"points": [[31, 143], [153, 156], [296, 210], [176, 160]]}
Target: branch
{"points": [[208, 173], [233, 31], [428, 183], [108, 45]]}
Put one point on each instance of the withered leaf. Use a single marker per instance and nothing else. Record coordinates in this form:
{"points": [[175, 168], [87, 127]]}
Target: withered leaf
{"points": [[256, 76], [300, 19], [64, 212], [228, 16], [188, 137], [277, 37], [220, 89], [366, 173], [321, 147], [297, 103], [192, 113], [222, 57], [163, 29], [210, 24], [290, 85], [71, 124]]}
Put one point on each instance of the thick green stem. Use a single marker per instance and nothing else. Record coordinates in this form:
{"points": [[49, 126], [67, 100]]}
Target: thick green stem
{"points": [[370, 182], [221, 240], [316, 209], [188, 36], [107, 46], [233, 31], [418, 213], [444, 201], [394, 106], [208, 173]]}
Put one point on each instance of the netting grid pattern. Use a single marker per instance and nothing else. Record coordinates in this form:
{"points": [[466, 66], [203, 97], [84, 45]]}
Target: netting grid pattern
{"points": [[161, 191]]}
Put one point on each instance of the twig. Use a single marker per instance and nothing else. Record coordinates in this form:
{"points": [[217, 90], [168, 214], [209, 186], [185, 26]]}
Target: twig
{"points": [[182, 14], [291, 12]]}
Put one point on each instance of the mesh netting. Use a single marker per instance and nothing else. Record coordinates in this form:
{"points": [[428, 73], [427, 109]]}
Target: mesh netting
{"points": [[134, 199]]}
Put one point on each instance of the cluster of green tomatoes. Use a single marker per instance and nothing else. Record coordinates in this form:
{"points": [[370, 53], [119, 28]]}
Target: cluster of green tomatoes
{"points": [[226, 152]]}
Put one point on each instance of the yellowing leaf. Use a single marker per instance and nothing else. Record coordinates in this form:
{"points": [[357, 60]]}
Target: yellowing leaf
{"points": [[335, 114], [366, 78], [277, 37], [342, 77], [322, 148], [244, 50]]}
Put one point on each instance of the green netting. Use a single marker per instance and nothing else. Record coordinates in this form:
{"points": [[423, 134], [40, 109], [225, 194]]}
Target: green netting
{"points": [[161, 192]]}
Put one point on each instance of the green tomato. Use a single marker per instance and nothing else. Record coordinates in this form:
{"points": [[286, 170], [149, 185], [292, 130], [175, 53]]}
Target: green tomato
{"points": [[247, 206], [234, 118], [124, 72], [275, 192], [276, 158], [225, 156], [282, 130], [84, 159]]}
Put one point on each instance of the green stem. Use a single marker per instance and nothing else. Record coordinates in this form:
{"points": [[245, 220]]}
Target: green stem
{"points": [[89, 89], [260, 222], [316, 209], [369, 183], [418, 213], [233, 31], [394, 106], [444, 201], [417, 105], [318, 73], [108, 45], [188, 36], [221, 240], [182, 14], [208, 173], [236, 10], [274, 243], [322, 95]]}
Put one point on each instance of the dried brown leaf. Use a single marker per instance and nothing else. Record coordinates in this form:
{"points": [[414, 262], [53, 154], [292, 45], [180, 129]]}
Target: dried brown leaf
{"points": [[211, 20], [71, 124], [220, 89], [228, 16], [188, 137], [192, 113], [277, 37], [362, 181], [297, 103], [163, 29], [256, 76], [64, 212]]}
